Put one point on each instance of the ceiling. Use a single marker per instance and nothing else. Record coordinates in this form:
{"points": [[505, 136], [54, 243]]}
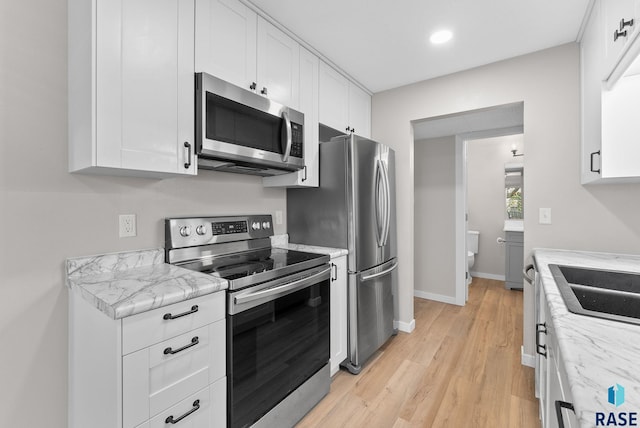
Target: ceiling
{"points": [[384, 44]]}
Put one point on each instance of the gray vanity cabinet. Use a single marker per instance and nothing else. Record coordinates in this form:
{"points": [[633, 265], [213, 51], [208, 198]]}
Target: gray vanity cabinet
{"points": [[514, 247]]}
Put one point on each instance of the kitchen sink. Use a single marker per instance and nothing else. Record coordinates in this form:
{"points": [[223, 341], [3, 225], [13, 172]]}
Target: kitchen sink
{"points": [[599, 293]]}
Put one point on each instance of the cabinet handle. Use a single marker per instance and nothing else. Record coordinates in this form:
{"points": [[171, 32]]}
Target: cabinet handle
{"points": [[264, 89], [170, 420], [617, 34], [525, 273], [194, 342], [253, 86], [624, 24], [334, 268], [559, 406], [168, 315], [304, 178], [541, 328], [187, 146], [353, 130], [591, 167]]}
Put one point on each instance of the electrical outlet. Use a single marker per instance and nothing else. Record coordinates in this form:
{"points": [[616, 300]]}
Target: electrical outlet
{"points": [[127, 225], [278, 217]]}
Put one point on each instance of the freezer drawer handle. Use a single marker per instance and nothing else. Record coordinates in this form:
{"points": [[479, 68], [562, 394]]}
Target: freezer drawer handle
{"points": [[170, 420], [168, 315], [379, 274], [194, 342]]}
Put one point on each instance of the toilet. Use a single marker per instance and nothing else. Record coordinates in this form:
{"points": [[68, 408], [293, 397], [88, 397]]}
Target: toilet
{"points": [[472, 250]]}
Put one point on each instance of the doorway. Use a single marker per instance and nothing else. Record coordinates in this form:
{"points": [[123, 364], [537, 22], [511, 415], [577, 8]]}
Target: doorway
{"points": [[440, 208]]}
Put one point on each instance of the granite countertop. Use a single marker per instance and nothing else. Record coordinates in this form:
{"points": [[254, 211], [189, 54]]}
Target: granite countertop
{"points": [[282, 241], [124, 284], [596, 353]]}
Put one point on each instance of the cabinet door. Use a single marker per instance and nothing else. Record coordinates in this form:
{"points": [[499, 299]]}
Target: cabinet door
{"points": [[309, 176], [278, 65], [591, 69], [359, 111], [615, 12], [334, 99], [541, 357], [144, 81], [338, 312], [225, 38]]}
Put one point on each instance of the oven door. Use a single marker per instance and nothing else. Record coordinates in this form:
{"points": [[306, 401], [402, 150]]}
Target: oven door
{"points": [[245, 128], [278, 337]]}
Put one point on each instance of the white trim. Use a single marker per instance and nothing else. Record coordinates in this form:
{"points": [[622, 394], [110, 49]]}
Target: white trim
{"points": [[407, 327], [487, 276], [526, 359], [437, 297], [460, 222]]}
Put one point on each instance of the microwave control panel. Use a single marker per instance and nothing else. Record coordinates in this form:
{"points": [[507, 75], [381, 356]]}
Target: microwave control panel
{"points": [[297, 140]]}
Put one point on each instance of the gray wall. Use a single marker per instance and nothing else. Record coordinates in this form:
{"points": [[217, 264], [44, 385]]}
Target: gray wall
{"points": [[601, 218], [48, 215], [435, 226], [486, 199]]}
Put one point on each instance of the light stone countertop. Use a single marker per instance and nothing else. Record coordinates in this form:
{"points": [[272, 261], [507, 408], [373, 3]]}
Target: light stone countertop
{"points": [[282, 241], [128, 283], [596, 353]]}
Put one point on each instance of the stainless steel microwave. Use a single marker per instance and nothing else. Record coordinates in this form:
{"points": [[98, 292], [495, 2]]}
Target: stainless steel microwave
{"points": [[241, 131]]}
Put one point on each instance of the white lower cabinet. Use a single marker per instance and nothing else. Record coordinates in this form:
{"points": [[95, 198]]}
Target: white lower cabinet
{"points": [[556, 403], [338, 312], [148, 369]]}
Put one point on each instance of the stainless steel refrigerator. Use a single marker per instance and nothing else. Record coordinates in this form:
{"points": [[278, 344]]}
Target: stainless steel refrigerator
{"points": [[354, 208]]}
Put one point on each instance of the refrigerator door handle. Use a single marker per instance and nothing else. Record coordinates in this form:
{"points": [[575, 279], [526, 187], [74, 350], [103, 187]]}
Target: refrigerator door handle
{"points": [[387, 213], [378, 202], [379, 274]]}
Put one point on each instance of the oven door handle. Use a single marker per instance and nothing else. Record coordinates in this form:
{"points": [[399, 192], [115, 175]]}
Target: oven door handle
{"points": [[281, 290]]}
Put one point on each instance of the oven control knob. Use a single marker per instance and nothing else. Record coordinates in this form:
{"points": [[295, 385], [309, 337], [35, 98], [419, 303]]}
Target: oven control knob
{"points": [[255, 225], [201, 230], [266, 225], [185, 231]]}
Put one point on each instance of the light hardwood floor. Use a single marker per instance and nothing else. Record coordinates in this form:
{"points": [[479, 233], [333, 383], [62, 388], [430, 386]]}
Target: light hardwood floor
{"points": [[459, 368]]}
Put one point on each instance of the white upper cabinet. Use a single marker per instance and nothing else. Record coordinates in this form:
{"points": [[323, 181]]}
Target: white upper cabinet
{"points": [[359, 111], [278, 65], [131, 107], [619, 26], [225, 41], [609, 126], [343, 105], [236, 45], [307, 177]]}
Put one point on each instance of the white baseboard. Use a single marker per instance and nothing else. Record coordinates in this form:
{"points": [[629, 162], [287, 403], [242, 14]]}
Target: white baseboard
{"points": [[487, 276], [526, 359], [437, 297], [406, 327]]}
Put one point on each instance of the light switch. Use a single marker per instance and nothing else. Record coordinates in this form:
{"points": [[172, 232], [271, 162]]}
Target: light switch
{"points": [[545, 216]]}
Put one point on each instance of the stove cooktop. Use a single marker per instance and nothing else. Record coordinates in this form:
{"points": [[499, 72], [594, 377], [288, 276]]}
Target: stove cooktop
{"points": [[252, 267]]}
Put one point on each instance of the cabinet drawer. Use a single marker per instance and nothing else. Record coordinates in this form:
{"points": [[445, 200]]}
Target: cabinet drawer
{"points": [[157, 377], [204, 409], [145, 329]]}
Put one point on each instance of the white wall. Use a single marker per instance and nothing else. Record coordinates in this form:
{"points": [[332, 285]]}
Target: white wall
{"points": [[602, 218], [48, 215], [486, 198], [435, 179]]}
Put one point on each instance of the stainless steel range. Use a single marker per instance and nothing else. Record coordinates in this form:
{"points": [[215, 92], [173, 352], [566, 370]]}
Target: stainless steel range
{"points": [[277, 315]]}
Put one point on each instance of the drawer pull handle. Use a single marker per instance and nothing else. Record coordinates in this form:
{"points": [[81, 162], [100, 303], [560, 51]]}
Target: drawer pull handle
{"points": [[170, 420], [194, 342], [168, 316], [541, 349]]}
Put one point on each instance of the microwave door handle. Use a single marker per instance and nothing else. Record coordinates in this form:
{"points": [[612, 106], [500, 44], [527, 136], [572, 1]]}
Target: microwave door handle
{"points": [[287, 149]]}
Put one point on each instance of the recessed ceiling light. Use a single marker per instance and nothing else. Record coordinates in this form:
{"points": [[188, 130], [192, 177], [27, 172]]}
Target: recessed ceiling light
{"points": [[440, 37]]}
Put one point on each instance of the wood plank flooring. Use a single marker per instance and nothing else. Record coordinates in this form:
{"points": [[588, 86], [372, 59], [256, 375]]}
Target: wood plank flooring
{"points": [[459, 368]]}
